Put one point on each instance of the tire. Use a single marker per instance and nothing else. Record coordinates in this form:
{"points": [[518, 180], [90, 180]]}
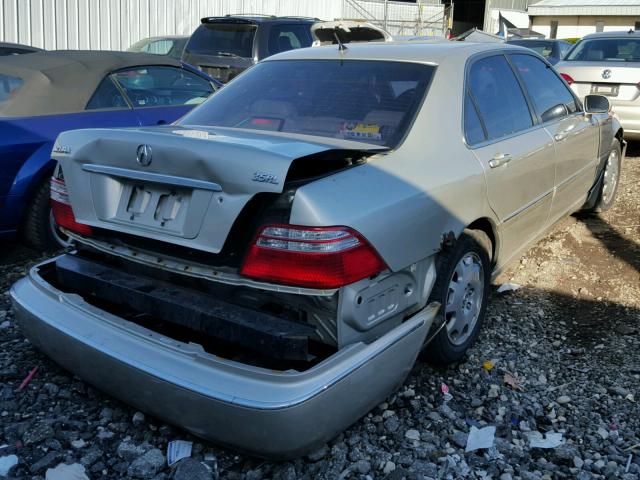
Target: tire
{"points": [[610, 181], [39, 231], [463, 309]]}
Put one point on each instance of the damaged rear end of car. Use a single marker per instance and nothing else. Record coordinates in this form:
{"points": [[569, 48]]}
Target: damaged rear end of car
{"points": [[192, 296]]}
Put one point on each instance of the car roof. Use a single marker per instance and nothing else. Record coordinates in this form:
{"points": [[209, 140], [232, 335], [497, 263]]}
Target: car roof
{"points": [[412, 51], [257, 18], [62, 81], [617, 34]]}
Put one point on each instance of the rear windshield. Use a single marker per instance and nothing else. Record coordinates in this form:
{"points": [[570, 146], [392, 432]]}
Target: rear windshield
{"points": [[543, 48], [156, 47], [224, 39], [9, 87], [362, 100], [607, 50]]}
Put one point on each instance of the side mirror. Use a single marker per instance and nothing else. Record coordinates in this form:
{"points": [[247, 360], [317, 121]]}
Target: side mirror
{"points": [[596, 104]]}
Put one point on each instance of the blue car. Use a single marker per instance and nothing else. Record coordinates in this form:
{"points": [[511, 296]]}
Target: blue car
{"points": [[46, 93]]}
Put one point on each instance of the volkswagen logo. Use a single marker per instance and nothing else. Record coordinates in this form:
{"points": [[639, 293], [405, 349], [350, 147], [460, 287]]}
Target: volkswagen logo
{"points": [[143, 155], [606, 74]]}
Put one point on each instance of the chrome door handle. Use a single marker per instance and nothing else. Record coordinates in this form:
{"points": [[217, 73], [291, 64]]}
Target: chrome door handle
{"points": [[499, 159], [558, 137]]}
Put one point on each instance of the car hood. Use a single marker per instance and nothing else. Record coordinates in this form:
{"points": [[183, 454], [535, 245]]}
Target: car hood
{"points": [[179, 184]]}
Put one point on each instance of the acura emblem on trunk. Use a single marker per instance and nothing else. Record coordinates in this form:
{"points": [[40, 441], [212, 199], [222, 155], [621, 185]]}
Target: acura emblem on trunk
{"points": [[143, 155], [606, 74]]}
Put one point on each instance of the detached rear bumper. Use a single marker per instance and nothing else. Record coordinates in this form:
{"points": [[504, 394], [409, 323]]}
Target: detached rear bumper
{"points": [[268, 413]]}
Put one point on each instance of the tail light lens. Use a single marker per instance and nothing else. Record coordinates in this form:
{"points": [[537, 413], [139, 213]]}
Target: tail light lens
{"points": [[61, 208], [567, 78], [314, 257]]}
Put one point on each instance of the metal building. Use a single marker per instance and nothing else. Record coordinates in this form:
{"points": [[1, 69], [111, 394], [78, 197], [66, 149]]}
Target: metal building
{"points": [[116, 24]]}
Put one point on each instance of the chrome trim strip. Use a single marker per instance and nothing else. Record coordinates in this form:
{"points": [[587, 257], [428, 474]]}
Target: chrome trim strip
{"points": [[527, 206], [152, 177], [574, 176]]}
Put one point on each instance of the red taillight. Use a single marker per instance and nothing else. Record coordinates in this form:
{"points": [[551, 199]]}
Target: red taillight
{"points": [[567, 78], [314, 257], [61, 208]]}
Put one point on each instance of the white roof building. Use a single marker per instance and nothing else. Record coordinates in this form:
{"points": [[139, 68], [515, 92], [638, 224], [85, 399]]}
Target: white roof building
{"points": [[576, 18]]}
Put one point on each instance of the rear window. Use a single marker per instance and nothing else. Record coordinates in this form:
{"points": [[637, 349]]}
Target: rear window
{"points": [[606, 50], [9, 87], [542, 48], [361, 100], [223, 39]]}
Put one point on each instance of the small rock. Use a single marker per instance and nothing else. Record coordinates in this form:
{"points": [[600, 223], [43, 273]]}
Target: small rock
{"points": [[563, 399], [603, 433], [4, 325], [78, 444], [191, 469], [138, 419], [129, 451], [412, 434], [362, 466], [494, 391], [148, 465], [318, 454], [46, 461], [37, 433], [389, 467]]}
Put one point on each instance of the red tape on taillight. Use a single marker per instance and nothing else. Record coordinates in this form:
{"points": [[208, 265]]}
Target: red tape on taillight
{"points": [[313, 257], [62, 211]]}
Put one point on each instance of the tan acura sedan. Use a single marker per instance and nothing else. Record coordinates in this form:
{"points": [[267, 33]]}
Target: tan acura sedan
{"points": [[266, 271]]}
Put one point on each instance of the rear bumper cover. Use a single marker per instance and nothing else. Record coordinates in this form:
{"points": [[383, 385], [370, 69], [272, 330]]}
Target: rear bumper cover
{"points": [[267, 413]]}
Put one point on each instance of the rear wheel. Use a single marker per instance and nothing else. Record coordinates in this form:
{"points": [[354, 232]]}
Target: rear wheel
{"points": [[40, 230], [610, 180], [462, 288]]}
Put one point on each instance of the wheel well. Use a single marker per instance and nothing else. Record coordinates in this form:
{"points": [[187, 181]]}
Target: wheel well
{"points": [[485, 225]]}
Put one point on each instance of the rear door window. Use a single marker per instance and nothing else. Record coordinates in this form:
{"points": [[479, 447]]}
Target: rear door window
{"points": [[162, 86], [550, 96], [288, 37], [500, 100]]}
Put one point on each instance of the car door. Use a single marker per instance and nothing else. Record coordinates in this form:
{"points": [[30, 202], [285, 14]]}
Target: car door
{"points": [[516, 153], [575, 135], [161, 95]]}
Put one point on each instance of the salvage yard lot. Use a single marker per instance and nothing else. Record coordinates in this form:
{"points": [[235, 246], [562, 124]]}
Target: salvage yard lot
{"points": [[568, 341]]}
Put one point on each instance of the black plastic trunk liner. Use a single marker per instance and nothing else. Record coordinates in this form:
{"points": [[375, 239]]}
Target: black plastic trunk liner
{"points": [[258, 331]]}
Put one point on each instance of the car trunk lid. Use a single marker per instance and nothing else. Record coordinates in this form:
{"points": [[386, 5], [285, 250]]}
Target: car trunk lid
{"points": [[177, 184], [616, 80]]}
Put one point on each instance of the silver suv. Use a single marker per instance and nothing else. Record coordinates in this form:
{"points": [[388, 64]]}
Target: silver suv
{"points": [[608, 64]]}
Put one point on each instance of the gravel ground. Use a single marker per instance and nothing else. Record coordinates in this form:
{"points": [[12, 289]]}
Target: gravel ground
{"points": [[561, 355]]}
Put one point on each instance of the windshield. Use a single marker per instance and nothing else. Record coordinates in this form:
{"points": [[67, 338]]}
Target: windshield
{"points": [[224, 39], [607, 50], [156, 47], [362, 100], [543, 48]]}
